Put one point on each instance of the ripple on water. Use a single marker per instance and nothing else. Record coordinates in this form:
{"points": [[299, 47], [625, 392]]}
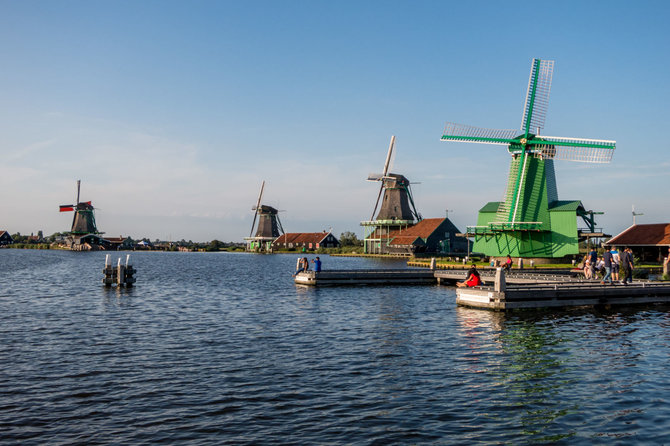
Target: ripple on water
{"points": [[225, 349]]}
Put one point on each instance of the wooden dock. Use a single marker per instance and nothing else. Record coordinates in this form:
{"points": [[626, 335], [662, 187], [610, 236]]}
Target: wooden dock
{"points": [[501, 292], [501, 296], [414, 276], [367, 277]]}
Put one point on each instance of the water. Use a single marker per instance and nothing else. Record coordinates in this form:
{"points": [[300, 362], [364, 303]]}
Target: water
{"points": [[218, 348]]}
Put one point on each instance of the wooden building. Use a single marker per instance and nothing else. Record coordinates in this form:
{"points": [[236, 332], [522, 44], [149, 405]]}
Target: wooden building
{"points": [[430, 235], [5, 238], [120, 243], [649, 242], [310, 241]]}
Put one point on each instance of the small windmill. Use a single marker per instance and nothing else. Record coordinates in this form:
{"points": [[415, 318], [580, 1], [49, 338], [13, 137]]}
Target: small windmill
{"points": [[397, 206], [269, 226], [521, 224], [83, 221]]}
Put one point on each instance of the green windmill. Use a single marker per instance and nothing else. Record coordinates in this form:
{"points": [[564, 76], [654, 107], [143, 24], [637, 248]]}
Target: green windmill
{"points": [[531, 221]]}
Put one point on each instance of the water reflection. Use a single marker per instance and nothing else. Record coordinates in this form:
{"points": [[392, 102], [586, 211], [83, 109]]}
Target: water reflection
{"points": [[531, 365]]}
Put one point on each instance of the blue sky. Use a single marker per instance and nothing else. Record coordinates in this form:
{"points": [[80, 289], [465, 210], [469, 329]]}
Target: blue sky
{"points": [[172, 113]]}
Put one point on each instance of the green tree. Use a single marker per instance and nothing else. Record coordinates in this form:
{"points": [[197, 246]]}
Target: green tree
{"points": [[348, 238]]}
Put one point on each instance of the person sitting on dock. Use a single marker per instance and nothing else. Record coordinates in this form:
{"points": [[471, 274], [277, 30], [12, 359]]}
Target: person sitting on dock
{"points": [[303, 265], [508, 263], [317, 264], [473, 278]]}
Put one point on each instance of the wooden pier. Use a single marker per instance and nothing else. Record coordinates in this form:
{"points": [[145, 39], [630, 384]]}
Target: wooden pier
{"points": [[367, 277], [502, 292], [501, 296]]}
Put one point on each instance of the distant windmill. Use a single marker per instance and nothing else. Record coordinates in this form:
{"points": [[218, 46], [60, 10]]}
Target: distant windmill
{"points": [[83, 221], [635, 214], [398, 203], [531, 221], [397, 209], [269, 226]]}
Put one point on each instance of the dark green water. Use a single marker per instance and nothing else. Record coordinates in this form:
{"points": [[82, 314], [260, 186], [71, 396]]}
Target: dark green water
{"points": [[224, 349]]}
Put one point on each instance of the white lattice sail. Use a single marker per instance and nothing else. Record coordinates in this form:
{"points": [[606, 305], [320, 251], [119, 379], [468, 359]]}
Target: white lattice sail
{"points": [[469, 133], [540, 99], [576, 149]]}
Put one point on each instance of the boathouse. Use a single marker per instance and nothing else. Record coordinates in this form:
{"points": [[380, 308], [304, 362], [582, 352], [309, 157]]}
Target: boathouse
{"points": [[120, 243], [430, 235], [5, 238], [649, 242], [308, 240]]}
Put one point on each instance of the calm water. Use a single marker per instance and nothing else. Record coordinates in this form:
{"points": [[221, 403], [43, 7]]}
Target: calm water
{"points": [[218, 348]]}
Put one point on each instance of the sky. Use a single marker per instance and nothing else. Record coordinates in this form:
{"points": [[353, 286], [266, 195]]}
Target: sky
{"points": [[172, 113]]}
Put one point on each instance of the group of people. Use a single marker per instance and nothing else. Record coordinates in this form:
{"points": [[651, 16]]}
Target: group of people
{"points": [[609, 266], [303, 265]]}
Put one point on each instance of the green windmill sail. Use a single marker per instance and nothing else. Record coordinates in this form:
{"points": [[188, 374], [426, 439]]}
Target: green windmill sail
{"points": [[531, 221]]}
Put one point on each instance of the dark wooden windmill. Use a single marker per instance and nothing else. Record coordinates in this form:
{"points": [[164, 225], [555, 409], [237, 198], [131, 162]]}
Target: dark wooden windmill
{"points": [[397, 206], [83, 221], [268, 229]]}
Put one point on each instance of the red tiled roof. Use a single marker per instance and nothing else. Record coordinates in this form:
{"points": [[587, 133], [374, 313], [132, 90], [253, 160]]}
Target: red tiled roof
{"points": [[639, 235], [422, 229], [404, 239], [302, 237]]}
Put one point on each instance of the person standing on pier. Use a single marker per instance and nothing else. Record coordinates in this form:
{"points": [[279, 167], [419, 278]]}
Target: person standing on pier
{"points": [[616, 264], [607, 264], [627, 263], [587, 267], [593, 256]]}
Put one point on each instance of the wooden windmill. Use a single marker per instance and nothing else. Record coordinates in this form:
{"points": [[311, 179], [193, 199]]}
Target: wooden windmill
{"points": [[83, 221], [269, 226], [397, 205], [531, 221]]}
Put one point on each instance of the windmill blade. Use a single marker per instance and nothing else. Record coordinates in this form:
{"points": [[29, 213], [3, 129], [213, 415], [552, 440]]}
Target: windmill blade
{"points": [[537, 96], [574, 149], [78, 188], [258, 204], [468, 133], [381, 189], [389, 156]]}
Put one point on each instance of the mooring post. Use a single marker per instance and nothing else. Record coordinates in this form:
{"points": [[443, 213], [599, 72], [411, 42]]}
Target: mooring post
{"points": [[432, 263], [666, 265], [108, 271], [120, 273], [520, 263], [499, 284]]}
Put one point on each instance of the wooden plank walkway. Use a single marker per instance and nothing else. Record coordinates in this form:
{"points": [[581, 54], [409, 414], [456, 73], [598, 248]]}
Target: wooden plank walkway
{"points": [[415, 276], [367, 277], [502, 296]]}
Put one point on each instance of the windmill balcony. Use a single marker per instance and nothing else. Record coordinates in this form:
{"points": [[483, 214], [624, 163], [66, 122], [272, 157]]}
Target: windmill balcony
{"points": [[494, 227]]}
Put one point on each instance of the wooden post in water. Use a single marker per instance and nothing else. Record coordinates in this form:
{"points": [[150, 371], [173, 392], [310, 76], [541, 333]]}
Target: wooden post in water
{"points": [[121, 275], [666, 266], [432, 263], [499, 284]]}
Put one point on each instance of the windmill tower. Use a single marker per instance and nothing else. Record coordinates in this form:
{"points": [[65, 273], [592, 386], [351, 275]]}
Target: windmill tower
{"points": [[83, 222], [268, 229], [530, 221], [397, 209]]}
